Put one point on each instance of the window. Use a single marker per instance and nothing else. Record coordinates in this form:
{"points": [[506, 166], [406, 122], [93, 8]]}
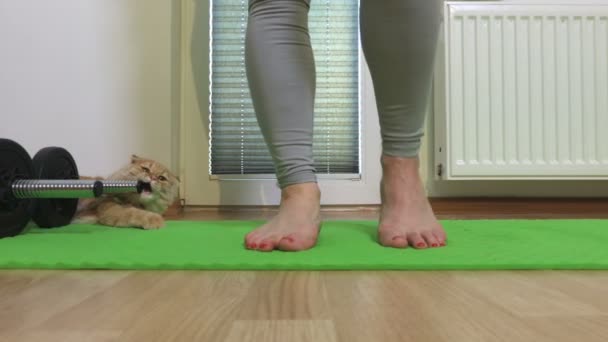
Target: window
{"points": [[236, 143]]}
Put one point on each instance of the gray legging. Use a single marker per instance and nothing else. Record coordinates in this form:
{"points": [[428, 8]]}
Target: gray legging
{"points": [[398, 38]]}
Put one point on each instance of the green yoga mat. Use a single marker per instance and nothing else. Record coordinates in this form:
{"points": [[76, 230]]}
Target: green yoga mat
{"points": [[343, 245]]}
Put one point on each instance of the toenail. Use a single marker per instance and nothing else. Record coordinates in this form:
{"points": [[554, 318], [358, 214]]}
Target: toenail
{"points": [[420, 244], [263, 245], [253, 245], [443, 243], [435, 245]]}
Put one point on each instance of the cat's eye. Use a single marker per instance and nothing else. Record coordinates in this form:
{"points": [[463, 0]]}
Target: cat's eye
{"points": [[162, 178], [146, 170]]}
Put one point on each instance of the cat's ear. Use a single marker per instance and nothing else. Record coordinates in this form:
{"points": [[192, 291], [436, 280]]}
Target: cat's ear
{"points": [[135, 158]]}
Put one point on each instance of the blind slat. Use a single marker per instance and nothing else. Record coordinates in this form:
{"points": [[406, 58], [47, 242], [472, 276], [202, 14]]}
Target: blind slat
{"points": [[237, 146]]}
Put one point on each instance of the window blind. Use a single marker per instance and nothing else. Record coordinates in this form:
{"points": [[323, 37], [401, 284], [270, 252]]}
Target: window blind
{"points": [[236, 144]]}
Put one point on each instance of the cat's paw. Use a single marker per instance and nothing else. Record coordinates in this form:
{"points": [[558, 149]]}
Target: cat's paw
{"points": [[153, 221]]}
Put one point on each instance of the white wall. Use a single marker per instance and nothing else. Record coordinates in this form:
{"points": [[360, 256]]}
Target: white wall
{"points": [[98, 77]]}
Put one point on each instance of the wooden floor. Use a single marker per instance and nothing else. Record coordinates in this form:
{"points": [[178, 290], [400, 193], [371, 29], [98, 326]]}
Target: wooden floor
{"points": [[305, 306]]}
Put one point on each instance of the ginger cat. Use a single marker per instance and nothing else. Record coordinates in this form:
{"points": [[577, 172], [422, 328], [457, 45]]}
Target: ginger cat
{"points": [[137, 210]]}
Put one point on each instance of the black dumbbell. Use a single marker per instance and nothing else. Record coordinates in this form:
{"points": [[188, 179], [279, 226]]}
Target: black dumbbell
{"points": [[46, 188]]}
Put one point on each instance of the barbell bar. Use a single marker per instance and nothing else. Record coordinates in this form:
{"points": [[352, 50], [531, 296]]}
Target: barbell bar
{"points": [[47, 188]]}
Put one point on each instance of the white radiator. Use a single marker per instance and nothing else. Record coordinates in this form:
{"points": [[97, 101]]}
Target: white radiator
{"points": [[526, 91]]}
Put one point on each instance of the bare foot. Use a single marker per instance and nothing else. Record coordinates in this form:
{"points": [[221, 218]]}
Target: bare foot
{"points": [[296, 226], [406, 217]]}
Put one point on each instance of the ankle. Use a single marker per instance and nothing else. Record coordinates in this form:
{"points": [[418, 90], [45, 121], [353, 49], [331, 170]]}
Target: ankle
{"points": [[402, 166], [389, 161], [307, 191]]}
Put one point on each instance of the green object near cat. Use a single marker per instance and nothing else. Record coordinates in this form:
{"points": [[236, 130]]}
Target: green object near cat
{"points": [[342, 245]]}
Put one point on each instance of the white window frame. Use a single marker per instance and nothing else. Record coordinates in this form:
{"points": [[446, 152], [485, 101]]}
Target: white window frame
{"points": [[199, 188]]}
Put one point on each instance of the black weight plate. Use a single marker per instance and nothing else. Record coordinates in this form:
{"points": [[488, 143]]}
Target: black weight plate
{"points": [[54, 163], [15, 163]]}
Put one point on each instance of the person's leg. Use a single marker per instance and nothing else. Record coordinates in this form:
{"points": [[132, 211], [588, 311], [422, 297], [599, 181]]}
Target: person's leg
{"points": [[399, 40], [281, 74]]}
